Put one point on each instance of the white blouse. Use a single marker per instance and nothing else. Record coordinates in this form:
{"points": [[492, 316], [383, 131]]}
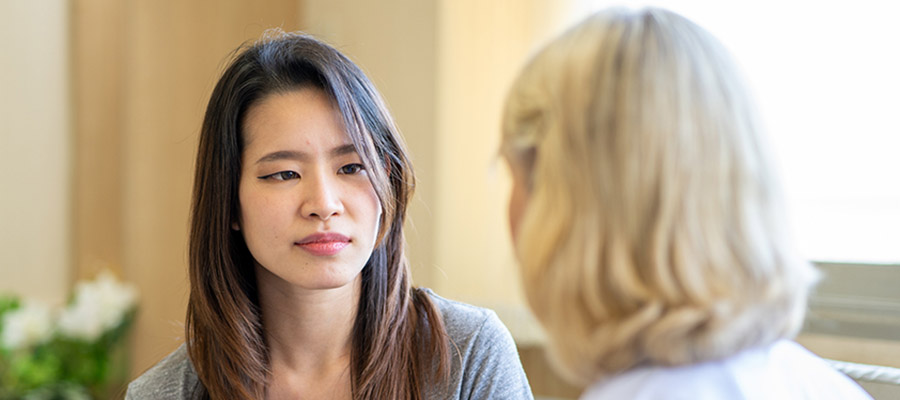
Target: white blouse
{"points": [[783, 370]]}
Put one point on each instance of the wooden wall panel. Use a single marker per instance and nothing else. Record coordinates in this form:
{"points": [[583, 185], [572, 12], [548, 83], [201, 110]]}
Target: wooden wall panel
{"points": [[97, 44]]}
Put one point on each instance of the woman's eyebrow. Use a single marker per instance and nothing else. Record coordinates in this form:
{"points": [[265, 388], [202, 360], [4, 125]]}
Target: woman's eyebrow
{"points": [[343, 150], [283, 155], [301, 156]]}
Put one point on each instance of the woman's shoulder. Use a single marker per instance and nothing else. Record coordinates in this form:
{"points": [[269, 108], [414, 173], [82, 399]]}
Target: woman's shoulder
{"points": [[172, 378], [813, 376], [464, 321], [484, 359], [782, 370]]}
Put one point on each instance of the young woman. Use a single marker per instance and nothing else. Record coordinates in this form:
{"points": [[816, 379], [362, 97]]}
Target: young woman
{"points": [[299, 283], [647, 219]]}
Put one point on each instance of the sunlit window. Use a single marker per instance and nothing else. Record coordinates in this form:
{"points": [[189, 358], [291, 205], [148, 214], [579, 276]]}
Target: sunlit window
{"points": [[827, 78]]}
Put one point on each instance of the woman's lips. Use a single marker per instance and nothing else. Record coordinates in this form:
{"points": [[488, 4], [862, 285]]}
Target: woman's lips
{"points": [[324, 244]]}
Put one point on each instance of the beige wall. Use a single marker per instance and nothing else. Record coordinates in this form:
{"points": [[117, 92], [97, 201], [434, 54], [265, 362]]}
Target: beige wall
{"points": [[34, 149], [481, 47]]}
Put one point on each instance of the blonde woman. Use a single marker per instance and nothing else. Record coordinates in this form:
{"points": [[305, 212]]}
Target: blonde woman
{"points": [[647, 219]]}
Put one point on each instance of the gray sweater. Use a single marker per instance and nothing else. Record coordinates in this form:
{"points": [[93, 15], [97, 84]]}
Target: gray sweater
{"points": [[486, 367]]}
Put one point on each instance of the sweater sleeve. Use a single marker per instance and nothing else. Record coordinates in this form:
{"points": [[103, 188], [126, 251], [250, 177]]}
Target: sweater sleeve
{"points": [[173, 378], [492, 367]]}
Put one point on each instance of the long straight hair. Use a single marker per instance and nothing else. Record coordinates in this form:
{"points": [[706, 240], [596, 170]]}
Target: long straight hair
{"points": [[399, 344]]}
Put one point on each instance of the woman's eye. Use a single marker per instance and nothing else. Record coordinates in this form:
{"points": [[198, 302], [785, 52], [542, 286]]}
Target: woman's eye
{"points": [[351, 169], [281, 176]]}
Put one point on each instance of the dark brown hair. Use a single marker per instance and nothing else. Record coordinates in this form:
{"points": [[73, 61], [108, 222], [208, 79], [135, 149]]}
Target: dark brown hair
{"points": [[399, 345]]}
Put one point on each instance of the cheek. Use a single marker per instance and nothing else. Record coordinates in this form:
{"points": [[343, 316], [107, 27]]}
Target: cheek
{"points": [[258, 211], [365, 211], [373, 209], [246, 204], [238, 219]]}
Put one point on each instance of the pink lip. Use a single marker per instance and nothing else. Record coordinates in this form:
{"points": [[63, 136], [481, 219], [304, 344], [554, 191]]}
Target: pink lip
{"points": [[324, 244]]}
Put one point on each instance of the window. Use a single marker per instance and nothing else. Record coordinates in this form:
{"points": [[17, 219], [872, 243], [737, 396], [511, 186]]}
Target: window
{"points": [[826, 76]]}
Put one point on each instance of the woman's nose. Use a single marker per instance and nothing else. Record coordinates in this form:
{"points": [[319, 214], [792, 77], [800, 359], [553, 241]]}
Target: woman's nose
{"points": [[321, 198]]}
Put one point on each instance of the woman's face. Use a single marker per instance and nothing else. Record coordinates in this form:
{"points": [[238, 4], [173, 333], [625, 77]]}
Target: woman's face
{"points": [[308, 213]]}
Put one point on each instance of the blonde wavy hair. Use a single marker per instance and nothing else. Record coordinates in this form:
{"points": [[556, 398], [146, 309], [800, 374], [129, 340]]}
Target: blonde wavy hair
{"points": [[654, 231]]}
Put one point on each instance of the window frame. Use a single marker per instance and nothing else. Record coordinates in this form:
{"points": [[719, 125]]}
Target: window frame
{"points": [[856, 300]]}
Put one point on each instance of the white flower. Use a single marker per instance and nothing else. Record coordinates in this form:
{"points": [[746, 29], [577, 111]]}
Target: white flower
{"points": [[29, 325], [98, 306]]}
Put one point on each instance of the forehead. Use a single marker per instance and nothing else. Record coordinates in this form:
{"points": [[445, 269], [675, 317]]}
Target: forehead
{"points": [[297, 118]]}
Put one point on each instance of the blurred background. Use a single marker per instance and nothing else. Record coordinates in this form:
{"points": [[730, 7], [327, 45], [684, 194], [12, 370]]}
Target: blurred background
{"points": [[101, 102]]}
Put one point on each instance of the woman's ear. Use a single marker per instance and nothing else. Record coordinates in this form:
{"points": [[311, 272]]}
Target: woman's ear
{"points": [[235, 226]]}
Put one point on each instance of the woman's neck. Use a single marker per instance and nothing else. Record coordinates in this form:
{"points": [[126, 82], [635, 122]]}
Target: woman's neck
{"points": [[308, 332]]}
